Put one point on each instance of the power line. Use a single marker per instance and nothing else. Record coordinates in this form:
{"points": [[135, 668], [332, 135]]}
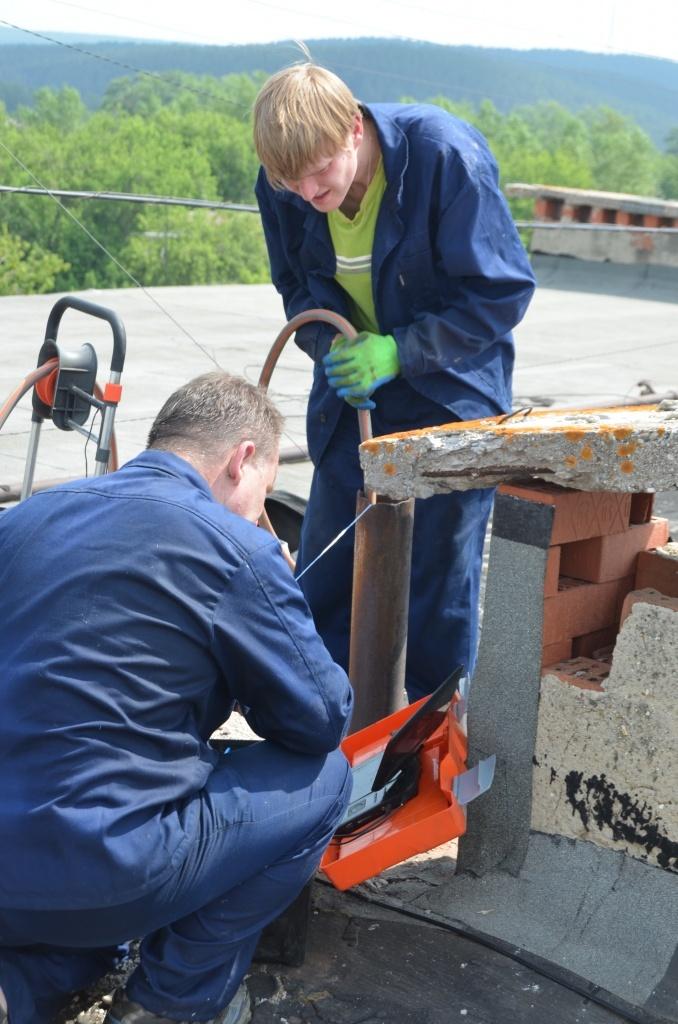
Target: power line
{"points": [[134, 21], [130, 197], [121, 64]]}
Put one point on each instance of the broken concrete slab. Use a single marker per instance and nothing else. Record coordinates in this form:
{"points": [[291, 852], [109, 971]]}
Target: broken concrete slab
{"points": [[615, 449]]}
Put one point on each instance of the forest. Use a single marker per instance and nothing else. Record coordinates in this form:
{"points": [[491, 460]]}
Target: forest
{"points": [[181, 134]]}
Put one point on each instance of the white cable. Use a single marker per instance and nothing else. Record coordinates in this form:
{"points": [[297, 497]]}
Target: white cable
{"points": [[333, 542]]}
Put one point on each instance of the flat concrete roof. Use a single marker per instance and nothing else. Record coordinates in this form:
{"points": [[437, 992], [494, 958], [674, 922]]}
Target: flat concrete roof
{"points": [[592, 333]]}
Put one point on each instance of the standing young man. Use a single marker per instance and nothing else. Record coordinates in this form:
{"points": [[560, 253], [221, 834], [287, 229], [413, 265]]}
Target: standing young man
{"points": [[391, 215], [136, 609]]}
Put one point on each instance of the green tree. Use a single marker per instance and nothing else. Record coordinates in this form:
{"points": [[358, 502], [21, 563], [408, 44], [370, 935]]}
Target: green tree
{"points": [[175, 246], [668, 177], [672, 142], [61, 109], [26, 269], [623, 158]]}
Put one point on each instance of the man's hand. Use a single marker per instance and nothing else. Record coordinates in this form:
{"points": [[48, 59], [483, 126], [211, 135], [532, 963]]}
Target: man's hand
{"points": [[287, 554], [355, 369], [339, 341]]}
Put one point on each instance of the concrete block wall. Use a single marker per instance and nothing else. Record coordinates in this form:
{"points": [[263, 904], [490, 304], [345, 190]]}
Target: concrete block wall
{"points": [[606, 751]]}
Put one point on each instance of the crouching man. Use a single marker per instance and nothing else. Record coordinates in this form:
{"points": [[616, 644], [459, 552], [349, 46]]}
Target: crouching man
{"points": [[135, 610]]}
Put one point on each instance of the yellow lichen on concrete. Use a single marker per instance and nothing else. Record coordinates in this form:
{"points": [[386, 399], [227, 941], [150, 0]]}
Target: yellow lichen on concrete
{"points": [[619, 449]]}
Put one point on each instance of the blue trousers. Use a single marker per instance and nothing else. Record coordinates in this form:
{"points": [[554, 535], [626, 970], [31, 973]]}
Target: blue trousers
{"points": [[264, 821], [447, 547]]}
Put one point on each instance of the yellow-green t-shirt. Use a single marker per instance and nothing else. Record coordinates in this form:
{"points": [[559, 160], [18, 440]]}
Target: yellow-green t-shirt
{"points": [[353, 241]]}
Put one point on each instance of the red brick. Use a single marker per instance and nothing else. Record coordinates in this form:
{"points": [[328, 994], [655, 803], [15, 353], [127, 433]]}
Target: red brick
{"points": [[542, 210], [552, 572], [578, 514], [580, 608], [642, 504], [584, 673], [625, 587], [560, 651], [659, 571], [647, 596], [614, 555], [588, 645]]}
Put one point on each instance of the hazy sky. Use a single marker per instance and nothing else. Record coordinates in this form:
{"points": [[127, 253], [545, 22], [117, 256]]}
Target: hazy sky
{"points": [[605, 26]]}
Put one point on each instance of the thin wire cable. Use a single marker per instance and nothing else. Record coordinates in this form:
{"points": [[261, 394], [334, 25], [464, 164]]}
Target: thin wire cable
{"points": [[597, 356], [110, 255], [89, 438], [134, 21], [126, 67], [334, 541]]}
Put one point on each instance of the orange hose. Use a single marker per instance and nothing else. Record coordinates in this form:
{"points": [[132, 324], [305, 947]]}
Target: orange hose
{"points": [[27, 383], [343, 327]]}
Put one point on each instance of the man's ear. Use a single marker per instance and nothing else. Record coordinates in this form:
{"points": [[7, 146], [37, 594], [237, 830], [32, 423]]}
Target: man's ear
{"points": [[358, 130], [238, 459]]}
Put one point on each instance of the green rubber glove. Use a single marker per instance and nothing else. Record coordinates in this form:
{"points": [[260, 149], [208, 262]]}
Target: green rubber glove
{"points": [[355, 369], [339, 341]]}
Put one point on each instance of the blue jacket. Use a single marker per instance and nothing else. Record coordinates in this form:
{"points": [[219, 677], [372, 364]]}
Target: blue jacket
{"points": [[450, 276], [135, 611]]}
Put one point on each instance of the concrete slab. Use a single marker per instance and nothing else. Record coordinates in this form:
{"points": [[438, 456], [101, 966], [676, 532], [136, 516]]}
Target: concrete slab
{"points": [[617, 449]]}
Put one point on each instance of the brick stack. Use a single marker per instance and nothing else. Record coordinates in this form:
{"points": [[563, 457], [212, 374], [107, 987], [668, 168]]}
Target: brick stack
{"points": [[602, 550]]}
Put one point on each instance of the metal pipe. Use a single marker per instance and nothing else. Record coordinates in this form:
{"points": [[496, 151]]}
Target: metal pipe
{"points": [[381, 570], [31, 458], [382, 562]]}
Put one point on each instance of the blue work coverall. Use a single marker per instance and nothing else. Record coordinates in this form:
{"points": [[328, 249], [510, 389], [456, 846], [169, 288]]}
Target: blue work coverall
{"points": [[135, 611], [450, 279]]}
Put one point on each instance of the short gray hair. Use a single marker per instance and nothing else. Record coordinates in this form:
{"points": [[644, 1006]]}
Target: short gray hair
{"points": [[212, 414]]}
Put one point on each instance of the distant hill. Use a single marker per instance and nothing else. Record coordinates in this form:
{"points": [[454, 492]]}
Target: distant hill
{"points": [[23, 37], [644, 88]]}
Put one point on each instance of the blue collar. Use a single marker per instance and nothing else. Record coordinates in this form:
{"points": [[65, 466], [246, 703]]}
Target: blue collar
{"points": [[171, 465]]}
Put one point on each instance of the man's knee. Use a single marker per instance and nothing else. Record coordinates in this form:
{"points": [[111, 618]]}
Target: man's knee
{"points": [[336, 780]]}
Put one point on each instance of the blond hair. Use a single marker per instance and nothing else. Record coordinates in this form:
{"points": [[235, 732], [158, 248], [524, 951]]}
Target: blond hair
{"points": [[302, 114]]}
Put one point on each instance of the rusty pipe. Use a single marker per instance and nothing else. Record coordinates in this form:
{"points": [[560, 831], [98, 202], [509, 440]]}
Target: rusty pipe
{"points": [[382, 562], [381, 570]]}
